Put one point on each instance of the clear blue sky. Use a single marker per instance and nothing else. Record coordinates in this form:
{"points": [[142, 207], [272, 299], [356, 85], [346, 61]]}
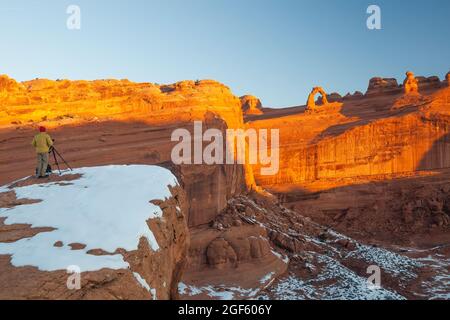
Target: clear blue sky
{"points": [[274, 49]]}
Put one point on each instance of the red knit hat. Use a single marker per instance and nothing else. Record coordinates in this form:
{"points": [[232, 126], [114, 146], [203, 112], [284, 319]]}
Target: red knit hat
{"points": [[42, 129]]}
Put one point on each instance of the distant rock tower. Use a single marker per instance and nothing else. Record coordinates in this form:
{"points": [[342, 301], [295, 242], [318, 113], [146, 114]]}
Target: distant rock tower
{"points": [[410, 85], [311, 103], [447, 77], [251, 105]]}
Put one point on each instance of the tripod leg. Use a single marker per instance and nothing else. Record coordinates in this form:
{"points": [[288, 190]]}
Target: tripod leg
{"points": [[59, 155], [56, 160]]}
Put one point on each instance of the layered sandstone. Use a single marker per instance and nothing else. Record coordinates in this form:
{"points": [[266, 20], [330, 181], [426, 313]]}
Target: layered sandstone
{"points": [[251, 105], [379, 85], [44, 100], [410, 84], [363, 137], [356, 165], [133, 123]]}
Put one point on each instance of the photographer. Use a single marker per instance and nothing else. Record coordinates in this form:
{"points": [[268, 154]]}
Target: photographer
{"points": [[43, 143]]}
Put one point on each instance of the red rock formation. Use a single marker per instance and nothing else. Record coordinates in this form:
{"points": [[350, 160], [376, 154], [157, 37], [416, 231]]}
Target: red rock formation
{"points": [[251, 105], [428, 83], [80, 101], [411, 84], [360, 138], [382, 86], [234, 251], [80, 106], [311, 104], [355, 95], [161, 269], [332, 97], [352, 166]]}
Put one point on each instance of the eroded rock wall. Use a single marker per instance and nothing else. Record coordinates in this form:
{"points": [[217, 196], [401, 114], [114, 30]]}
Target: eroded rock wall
{"points": [[362, 138], [119, 122]]}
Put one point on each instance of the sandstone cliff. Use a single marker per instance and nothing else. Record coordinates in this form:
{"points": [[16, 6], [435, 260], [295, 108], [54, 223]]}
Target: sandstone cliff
{"points": [[118, 253], [373, 166], [251, 105], [141, 118], [364, 137]]}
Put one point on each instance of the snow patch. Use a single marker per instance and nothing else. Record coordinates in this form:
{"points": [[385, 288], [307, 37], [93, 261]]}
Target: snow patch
{"points": [[220, 292], [334, 282], [106, 208], [145, 285], [266, 278]]}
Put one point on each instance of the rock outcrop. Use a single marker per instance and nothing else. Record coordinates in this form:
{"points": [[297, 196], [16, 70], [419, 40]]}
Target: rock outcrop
{"points": [[332, 97], [123, 116], [355, 95], [311, 102], [411, 84], [358, 167], [9, 86], [144, 272], [251, 105], [428, 83], [361, 138], [234, 252], [382, 86], [43, 100]]}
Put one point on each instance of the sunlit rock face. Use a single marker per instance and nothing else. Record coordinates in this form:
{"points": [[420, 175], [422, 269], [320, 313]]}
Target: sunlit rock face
{"points": [[358, 135], [133, 123], [410, 84], [311, 102], [251, 105], [362, 137], [47, 100]]}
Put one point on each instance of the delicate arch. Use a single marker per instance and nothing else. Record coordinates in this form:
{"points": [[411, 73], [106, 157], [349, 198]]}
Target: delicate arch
{"points": [[311, 103]]}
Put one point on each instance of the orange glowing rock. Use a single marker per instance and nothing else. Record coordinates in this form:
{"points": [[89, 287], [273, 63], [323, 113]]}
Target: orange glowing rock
{"points": [[311, 103], [411, 84], [251, 105], [62, 101]]}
